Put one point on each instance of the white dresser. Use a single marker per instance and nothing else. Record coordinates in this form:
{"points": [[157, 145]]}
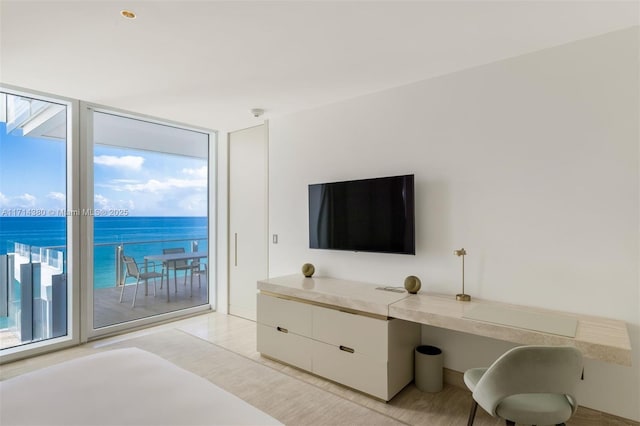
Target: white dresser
{"points": [[337, 329]]}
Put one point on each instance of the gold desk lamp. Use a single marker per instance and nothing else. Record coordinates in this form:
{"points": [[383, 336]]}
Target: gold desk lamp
{"points": [[462, 297]]}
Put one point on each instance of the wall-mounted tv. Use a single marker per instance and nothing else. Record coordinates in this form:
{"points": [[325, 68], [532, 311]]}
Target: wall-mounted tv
{"points": [[373, 215]]}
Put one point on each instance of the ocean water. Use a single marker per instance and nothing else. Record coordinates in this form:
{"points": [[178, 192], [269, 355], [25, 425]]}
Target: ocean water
{"points": [[139, 236]]}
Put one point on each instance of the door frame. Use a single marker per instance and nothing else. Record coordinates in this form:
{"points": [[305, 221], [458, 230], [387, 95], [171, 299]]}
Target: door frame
{"points": [[230, 256]]}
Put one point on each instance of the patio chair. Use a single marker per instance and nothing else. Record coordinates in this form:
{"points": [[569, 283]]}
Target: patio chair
{"points": [[197, 270], [176, 265], [134, 272]]}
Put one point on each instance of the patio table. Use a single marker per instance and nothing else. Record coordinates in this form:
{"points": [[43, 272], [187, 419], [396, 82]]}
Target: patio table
{"points": [[172, 257]]}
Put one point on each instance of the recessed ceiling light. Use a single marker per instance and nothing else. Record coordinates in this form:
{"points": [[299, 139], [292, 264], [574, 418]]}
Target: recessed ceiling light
{"points": [[128, 14]]}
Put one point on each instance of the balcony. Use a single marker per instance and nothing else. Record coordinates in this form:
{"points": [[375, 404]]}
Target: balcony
{"points": [[33, 288]]}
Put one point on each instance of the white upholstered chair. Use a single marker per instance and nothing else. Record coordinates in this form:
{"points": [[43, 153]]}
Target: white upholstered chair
{"points": [[531, 385]]}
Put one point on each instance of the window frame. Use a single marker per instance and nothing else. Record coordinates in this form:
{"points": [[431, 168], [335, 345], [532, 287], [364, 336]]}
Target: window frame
{"points": [[72, 337], [79, 186], [87, 329]]}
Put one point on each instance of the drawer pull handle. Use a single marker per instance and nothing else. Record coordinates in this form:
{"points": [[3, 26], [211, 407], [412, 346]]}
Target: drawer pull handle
{"points": [[282, 330], [346, 349]]}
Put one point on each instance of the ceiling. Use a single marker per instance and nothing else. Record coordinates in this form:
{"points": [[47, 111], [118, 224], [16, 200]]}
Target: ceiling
{"points": [[207, 63]]}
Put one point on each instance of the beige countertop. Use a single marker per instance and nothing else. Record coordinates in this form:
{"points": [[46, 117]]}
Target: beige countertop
{"points": [[352, 295], [598, 338]]}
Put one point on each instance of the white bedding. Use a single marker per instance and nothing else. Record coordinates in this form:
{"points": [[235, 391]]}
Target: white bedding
{"points": [[121, 387]]}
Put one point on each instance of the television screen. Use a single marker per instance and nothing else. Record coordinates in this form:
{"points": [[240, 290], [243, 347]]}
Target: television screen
{"points": [[374, 215]]}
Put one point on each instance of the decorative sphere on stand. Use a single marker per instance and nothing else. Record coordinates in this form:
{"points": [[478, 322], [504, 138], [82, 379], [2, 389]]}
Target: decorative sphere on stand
{"points": [[308, 270], [412, 284]]}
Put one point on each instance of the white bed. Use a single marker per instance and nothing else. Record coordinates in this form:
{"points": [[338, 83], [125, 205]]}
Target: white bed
{"points": [[121, 387]]}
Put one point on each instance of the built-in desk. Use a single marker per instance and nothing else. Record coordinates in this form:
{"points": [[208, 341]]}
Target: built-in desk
{"points": [[337, 329], [598, 338], [342, 294]]}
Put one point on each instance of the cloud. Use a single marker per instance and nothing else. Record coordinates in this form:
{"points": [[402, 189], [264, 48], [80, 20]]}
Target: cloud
{"points": [[26, 200], [116, 184], [195, 204], [154, 185], [132, 162], [124, 181], [200, 172], [58, 196], [100, 201], [104, 203]]}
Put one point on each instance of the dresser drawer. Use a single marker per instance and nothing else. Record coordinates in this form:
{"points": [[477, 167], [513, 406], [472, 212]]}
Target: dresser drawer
{"points": [[286, 347], [365, 335], [292, 316], [351, 369]]}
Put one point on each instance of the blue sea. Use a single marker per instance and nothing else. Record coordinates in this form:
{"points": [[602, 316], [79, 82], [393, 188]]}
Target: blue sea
{"points": [[139, 236]]}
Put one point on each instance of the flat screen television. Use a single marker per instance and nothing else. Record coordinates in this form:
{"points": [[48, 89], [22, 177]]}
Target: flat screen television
{"points": [[372, 215]]}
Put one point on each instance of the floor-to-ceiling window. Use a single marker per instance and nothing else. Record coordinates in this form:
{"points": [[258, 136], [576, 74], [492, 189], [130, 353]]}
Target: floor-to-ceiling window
{"points": [[35, 273], [150, 218], [104, 221]]}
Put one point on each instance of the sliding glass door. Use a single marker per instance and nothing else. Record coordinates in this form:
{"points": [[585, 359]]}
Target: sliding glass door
{"points": [[149, 219]]}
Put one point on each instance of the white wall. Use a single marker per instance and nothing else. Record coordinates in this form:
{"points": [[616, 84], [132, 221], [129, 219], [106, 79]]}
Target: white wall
{"points": [[529, 163]]}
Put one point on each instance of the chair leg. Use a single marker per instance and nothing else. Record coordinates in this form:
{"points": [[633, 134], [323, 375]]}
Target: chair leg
{"points": [[206, 274], [135, 293], [472, 413], [122, 291], [168, 289], [175, 281]]}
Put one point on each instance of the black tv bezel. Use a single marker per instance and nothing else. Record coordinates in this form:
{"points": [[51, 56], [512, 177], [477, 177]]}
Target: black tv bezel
{"points": [[412, 249]]}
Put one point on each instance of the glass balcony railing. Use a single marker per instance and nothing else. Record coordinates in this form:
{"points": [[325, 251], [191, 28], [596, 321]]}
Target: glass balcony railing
{"points": [[109, 273], [33, 287], [33, 294], [108, 269], [51, 256]]}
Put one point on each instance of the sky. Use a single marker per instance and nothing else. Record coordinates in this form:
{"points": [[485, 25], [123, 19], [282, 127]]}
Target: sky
{"points": [[127, 182]]}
